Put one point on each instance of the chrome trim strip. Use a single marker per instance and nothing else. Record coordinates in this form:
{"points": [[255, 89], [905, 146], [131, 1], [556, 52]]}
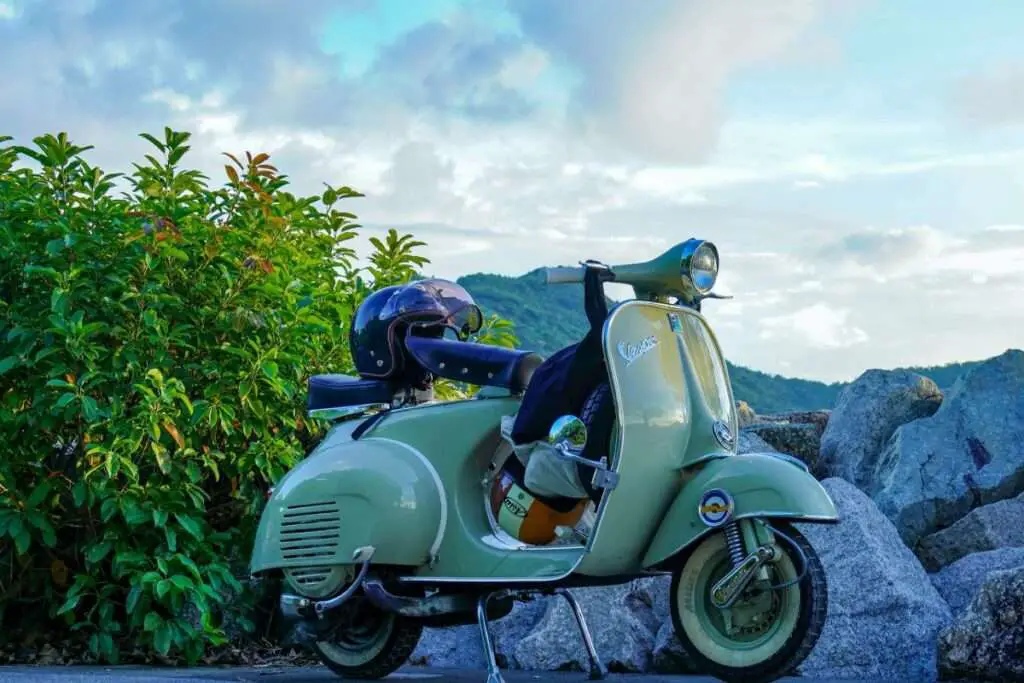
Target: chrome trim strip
{"points": [[345, 411]]}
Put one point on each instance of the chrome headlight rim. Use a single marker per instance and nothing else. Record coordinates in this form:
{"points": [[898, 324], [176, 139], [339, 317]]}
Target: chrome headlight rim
{"points": [[690, 250]]}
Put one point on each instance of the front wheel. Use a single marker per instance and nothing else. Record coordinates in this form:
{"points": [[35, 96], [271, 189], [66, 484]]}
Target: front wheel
{"points": [[768, 632]]}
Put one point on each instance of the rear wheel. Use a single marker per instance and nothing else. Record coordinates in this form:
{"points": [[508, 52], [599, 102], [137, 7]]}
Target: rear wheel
{"points": [[768, 632], [367, 642]]}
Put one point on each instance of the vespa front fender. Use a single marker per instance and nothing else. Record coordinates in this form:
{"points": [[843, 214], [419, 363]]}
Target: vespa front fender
{"points": [[348, 495], [762, 485]]}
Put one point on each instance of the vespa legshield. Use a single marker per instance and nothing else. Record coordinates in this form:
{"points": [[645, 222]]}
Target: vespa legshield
{"points": [[762, 485], [351, 494]]}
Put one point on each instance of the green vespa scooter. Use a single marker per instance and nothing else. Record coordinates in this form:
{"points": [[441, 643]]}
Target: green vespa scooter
{"points": [[391, 523]]}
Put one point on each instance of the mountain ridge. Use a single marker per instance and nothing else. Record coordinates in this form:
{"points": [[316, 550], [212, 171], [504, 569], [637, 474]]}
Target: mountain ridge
{"points": [[549, 318]]}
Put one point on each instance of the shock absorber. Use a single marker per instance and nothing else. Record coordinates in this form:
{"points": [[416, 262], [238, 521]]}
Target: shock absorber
{"points": [[734, 539]]}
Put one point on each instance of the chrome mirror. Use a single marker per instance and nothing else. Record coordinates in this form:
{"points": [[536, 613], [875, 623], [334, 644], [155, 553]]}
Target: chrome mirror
{"points": [[568, 432]]}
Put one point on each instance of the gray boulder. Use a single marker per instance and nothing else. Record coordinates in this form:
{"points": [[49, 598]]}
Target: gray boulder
{"points": [[997, 525], [866, 414], [987, 642], [668, 656], [460, 647], [959, 582], [745, 415], [883, 614], [801, 440], [937, 469], [624, 621], [749, 442]]}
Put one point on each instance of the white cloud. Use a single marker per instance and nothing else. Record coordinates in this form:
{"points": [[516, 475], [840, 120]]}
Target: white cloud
{"points": [[817, 325]]}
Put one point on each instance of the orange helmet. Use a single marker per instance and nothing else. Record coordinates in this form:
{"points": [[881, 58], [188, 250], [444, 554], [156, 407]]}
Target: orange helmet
{"points": [[528, 517]]}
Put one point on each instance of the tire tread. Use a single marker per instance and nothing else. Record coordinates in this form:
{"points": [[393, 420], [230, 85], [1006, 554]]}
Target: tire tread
{"points": [[400, 646]]}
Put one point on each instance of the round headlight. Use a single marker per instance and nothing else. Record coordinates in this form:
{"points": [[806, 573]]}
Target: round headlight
{"points": [[704, 267]]}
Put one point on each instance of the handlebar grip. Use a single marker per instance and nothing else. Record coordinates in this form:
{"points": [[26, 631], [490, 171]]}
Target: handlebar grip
{"points": [[564, 276]]}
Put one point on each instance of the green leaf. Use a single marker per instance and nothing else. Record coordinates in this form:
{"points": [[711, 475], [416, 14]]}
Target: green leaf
{"points": [[8, 363], [89, 408], [79, 492], [38, 494], [108, 509], [153, 622], [54, 247], [70, 603], [22, 541], [48, 533], [190, 525], [132, 512], [97, 552], [183, 583], [159, 518], [172, 539], [65, 399], [189, 564], [162, 639], [134, 595], [162, 588]]}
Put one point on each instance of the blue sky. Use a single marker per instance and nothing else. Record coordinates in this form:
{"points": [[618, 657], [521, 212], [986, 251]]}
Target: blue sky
{"points": [[859, 162]]}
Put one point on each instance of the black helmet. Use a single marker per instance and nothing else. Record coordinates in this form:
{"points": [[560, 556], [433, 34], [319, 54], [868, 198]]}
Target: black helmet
{"points": [[423, 308]]}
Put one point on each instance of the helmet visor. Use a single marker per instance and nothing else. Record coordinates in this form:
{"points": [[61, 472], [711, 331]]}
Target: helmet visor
{"points": [[436, 302]]}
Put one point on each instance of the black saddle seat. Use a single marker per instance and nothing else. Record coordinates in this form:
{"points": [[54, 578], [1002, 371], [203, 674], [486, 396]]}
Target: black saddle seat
{"points": [[472, 363], [339, 391]]}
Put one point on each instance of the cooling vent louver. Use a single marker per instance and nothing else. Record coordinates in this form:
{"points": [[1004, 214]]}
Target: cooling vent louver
{"points": [[310, 531]]}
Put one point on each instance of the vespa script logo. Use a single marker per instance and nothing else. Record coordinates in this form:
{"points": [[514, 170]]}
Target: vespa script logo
{"points": [[632, 352]]}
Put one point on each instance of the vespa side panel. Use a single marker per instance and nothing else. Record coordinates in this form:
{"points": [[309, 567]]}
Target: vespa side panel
{"points": [[760, 484], [349, 494], [459, 439], [647, 364]]}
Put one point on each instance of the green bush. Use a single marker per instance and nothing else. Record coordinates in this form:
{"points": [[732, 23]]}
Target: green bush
{"points": [[154, 349]]}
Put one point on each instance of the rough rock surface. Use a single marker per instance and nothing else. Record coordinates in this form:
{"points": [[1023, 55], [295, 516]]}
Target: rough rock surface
{"points": [[988, 640], [959, 582], [936, 469], [669, 657], [884, 614], [748, 442], [997, 525], [624, 621], [866, 414], [799, 440], [818, 418], [461, 646]]}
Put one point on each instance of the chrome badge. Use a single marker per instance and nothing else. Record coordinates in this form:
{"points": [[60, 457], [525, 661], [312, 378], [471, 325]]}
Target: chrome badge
{"points": [[715, 508], [631, 352], [723, 434]]}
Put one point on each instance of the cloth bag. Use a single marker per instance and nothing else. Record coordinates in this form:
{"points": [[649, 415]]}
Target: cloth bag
{"points": [[547, 473]]}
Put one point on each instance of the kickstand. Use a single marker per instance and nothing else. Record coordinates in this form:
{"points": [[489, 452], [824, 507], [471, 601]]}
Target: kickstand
{"points": [[493, 672], [598, 672]]}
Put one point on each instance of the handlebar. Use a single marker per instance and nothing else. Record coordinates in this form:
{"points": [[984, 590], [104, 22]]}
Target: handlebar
{"points": [[564, 276]]}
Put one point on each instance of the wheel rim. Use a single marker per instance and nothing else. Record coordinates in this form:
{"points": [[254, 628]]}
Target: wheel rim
{"points": [[761, 623], [361, 634]]}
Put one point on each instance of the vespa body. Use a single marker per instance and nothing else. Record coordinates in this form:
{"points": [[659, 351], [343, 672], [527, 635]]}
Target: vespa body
{"points": [[389, 524]]}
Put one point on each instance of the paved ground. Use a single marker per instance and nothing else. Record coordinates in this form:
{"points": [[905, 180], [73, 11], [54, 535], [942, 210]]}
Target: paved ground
{"points": [[127, 674]]}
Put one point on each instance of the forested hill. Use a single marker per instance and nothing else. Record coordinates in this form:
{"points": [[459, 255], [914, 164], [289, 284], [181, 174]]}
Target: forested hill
{"points": [[549, 318]]}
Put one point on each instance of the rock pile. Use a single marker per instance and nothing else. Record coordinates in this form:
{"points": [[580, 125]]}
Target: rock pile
{"points": [[925, 570]]}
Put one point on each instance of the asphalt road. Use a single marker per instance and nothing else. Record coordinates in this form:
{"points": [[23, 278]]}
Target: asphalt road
{"points": [[127, 674]]}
